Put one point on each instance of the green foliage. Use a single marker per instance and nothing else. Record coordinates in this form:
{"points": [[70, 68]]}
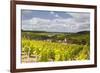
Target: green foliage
{"points": [[84, 54], [72, 38], [53, 51], [76, 46]]}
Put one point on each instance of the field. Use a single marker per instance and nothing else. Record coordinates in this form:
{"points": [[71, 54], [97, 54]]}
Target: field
{"points": [[48, 46]]}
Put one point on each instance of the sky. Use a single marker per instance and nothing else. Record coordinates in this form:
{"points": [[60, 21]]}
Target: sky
{"points": [[55, 21]]}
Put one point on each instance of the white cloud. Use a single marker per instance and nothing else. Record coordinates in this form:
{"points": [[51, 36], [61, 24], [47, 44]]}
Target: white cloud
{"points": [[55, 14], [80, 17], [51, 12], [78, 22]]}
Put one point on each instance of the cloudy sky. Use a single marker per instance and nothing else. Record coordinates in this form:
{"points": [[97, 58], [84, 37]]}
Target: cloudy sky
{"points": [[55, 21]]}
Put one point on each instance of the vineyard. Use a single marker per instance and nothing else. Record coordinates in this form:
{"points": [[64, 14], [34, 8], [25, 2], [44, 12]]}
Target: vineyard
{"points": [[48, 51]]}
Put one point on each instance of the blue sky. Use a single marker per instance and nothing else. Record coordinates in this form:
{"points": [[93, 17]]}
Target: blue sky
{"points": [[28, 14], [55, 21]]}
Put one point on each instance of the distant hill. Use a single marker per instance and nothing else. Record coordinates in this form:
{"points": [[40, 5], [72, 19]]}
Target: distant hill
{"points": [[33, 31], [83, 32], [80, 32]]}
